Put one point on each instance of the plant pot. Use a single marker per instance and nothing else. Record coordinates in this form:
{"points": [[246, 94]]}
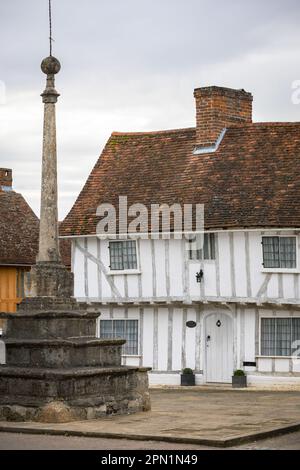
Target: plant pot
{"points": [[187, 379], [239, 381]]}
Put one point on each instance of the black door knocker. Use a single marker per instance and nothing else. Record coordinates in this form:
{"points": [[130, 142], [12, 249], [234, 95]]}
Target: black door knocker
{"points": [[218, 323]]}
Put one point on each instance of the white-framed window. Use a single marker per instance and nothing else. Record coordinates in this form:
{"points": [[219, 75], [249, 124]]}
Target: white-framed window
{"points": [[123, 255], [124, 329], [208, 250], [279, 252], [279, 336]]}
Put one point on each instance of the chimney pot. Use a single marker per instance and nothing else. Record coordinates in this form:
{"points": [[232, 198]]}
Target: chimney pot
{"points": [[5, 179]]}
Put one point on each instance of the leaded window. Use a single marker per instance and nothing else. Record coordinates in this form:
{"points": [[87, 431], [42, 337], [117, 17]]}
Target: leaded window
{"points": [[123, 255], [280, 336], [279, 252], [124, 329], [202, 248]]}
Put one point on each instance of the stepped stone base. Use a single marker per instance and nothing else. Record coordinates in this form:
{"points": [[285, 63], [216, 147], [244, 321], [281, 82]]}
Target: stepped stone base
{"points": [[67, 395], [57, 370]]}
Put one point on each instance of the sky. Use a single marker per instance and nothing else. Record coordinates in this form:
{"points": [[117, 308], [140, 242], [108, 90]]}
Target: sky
{"points": [[132, 65]]}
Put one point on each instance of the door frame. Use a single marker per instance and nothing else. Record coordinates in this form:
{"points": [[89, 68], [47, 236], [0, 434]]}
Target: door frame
{"points": [[215, 311]]}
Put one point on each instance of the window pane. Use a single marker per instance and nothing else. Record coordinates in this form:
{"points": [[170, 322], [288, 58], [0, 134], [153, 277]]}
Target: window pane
{"points": [[268, 337], [119, 329], [196, 245], [271, 252], [213, 246], [192, 251], [106, 329], [123, 255], [209, 246], [287, 252], [283, 337], [131, 346], [206, 247], [124, 329], [280, 336], [203, 247], [116, 257], [295, 335], [129, 255]]}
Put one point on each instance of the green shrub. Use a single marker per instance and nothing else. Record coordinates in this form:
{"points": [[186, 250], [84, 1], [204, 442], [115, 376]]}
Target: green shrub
{"points": [[187, 371], [239, 373]]}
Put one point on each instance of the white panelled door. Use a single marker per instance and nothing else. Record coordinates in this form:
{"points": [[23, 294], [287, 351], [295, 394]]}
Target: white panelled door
{"points": [[219, 347]]}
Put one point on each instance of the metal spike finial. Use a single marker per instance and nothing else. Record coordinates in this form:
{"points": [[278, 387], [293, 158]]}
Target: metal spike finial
{"points": [[50, 26], [50, 65]]}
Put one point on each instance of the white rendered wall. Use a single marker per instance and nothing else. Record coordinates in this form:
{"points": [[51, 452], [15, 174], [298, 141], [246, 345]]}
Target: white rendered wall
{"points": [[166, 272], [168, 346]]}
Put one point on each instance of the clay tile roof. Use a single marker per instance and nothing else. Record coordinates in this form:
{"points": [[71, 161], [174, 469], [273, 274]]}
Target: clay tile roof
{"points": [[252, 180], [65, 251], [19, 231]]}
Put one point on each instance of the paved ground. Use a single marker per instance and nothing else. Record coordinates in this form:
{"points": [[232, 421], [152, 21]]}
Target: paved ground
{"points": [[195, 415], [10, 441]]}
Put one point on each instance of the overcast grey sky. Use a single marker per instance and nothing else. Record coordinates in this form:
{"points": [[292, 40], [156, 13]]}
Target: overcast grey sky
{"points": [[132, 65]]}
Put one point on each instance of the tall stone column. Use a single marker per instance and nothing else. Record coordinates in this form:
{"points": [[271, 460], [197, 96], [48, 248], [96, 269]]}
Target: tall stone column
{"points": [[49, 278], [48, 242]]}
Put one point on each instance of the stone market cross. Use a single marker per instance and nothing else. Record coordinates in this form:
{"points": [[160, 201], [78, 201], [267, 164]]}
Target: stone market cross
{"points": [[56, 369]]}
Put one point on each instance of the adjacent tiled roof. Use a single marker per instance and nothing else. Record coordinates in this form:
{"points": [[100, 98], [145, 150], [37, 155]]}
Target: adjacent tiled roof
{"points": [[252, 180], [19, 232], [65, 251]]}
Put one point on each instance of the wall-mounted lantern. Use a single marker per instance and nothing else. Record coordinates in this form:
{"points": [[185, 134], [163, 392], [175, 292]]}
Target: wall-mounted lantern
{"points": [[199, 275]]}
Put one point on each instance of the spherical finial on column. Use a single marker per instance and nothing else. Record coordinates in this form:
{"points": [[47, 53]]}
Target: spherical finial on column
{"points": [[50, 66]]}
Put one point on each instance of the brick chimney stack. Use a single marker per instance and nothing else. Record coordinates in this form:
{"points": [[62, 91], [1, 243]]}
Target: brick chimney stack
{"points": [[5, 179], [218, 108]]}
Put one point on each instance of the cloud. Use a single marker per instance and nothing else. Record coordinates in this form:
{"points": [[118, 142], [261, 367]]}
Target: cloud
{"points": [[132, 65]]}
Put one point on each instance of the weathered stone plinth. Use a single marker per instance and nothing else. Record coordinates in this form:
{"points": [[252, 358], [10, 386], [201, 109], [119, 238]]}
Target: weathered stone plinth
{"points": [[57, 370], [50, 279]]}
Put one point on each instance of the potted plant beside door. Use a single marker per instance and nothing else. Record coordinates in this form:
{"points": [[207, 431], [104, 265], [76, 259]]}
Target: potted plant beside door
{"points": [[239, 379], [187, 377]]}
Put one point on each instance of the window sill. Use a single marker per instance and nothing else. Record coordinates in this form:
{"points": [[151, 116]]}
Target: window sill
{"points": [[126, 271], [132, 356], [280, 271], [276, 357], [203, 261]]}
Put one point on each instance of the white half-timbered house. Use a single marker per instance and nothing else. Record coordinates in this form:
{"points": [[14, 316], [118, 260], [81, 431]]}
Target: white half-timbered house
{"points": [[244, 313]]}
